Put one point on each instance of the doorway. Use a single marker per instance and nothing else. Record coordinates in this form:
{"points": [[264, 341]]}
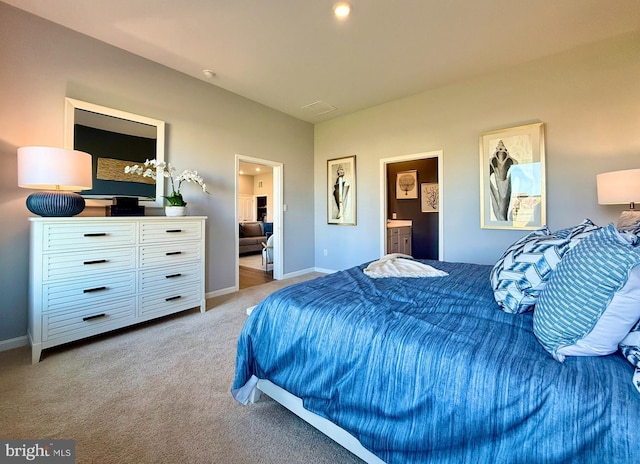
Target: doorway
{"points": [[426, 221], [272, 196]]}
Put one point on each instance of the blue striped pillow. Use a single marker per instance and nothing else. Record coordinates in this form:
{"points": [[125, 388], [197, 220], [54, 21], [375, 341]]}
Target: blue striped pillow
{"points": [[592, 298]]}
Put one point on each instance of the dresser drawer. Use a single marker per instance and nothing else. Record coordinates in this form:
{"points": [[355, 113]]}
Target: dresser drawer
{"points": [[90, 275], [170, 300], [88, 292], [58, 237], [86, 263], [161, 232], [154, 279], [74, 324], [169, 254]]}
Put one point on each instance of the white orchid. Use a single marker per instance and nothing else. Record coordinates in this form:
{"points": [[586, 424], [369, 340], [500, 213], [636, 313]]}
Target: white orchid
{"points": [[153, 168]]}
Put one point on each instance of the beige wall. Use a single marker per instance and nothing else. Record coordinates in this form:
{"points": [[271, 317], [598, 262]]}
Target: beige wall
{"points": [[43, 63], [588, 99]]}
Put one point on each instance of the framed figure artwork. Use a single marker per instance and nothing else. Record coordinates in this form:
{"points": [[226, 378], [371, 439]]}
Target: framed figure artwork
{"points": [[512, 178], [341, 191]]}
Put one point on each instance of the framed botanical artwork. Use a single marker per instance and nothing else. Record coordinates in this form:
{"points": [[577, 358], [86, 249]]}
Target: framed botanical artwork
{"points": [[341, 191], [407, 185], [429, 198], [512, 178]]}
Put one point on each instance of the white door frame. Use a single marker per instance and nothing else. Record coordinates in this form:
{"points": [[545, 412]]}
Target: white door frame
{"points": [[383, 196], [278, 182]]}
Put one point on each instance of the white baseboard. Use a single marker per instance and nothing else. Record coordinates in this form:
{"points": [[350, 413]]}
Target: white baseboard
{"points": [[12, 343], [324, 271], [222, 291], [298, 273]]}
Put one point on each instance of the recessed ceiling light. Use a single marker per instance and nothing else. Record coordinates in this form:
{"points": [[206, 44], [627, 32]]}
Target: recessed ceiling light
{"points": [[208, 73], [258, 169], [341, 10]]}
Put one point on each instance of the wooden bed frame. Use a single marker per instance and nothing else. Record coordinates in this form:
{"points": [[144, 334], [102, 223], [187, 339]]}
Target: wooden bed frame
{"points": [[294, 404]]}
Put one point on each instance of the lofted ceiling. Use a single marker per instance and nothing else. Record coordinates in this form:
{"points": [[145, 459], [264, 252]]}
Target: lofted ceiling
{"points": [[294, 56]]}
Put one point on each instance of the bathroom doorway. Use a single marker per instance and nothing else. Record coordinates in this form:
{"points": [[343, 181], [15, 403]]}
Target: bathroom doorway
{"points": [[422, 217]]}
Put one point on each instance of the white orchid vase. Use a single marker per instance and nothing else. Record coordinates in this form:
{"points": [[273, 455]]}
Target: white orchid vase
{"points": [[153, 169]]}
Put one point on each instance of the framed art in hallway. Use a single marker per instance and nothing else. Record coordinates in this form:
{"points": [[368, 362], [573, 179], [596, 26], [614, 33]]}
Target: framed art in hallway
{"points": [[341, 191], [512, 178]]}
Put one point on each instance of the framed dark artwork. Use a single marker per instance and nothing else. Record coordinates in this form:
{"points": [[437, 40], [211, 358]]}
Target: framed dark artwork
{"points": [[407, 185], [512, 178], [341, 191]]}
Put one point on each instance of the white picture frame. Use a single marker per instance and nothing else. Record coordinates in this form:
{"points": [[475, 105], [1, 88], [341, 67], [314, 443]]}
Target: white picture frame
{"points": [[512, 178], [341, 191], [429, 197]]}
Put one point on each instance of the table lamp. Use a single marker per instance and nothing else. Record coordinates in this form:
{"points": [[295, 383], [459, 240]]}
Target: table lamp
{"points": [[61, 173], [621, 188]]}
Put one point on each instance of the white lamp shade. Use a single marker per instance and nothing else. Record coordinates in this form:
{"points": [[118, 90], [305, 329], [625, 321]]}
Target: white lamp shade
{"points": [[619, 187], [49, 168]]}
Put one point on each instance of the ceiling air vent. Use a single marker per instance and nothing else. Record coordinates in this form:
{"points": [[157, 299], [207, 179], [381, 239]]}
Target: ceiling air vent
{"points": [[319, 107]]}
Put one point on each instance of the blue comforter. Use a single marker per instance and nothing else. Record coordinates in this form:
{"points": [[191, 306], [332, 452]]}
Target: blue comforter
{"points": [[430, 370]]}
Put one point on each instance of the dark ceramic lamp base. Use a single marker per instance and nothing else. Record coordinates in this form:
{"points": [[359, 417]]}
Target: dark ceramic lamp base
{"points": [[55, 204]]}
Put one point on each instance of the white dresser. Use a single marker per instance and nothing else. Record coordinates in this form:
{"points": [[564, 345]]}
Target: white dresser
{"points": [[90, 275]]}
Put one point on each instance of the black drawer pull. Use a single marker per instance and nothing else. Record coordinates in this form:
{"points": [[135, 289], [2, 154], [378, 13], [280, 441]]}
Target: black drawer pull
{"points": [[90, 290], [96, 234], [171, 276], [173, 231], [171, 298], [169, 253], [97, 261], [88, 318]]}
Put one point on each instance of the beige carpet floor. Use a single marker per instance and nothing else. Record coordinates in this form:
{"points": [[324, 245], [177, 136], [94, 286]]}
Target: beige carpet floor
{"points": [[157, 393]]}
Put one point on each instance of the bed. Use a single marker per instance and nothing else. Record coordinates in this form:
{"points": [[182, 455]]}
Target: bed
{"points": [[430, 370]]}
